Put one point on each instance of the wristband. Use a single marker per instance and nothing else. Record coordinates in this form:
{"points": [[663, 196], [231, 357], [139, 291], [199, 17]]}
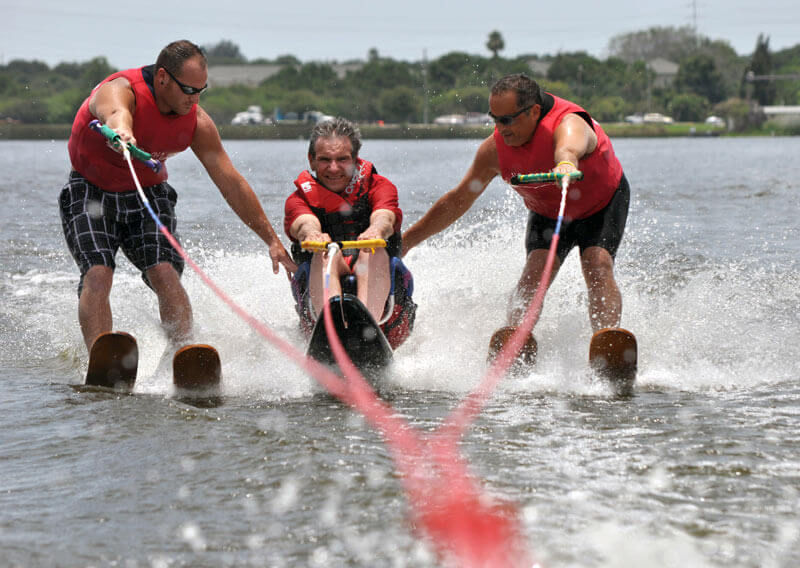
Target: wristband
{"points": [[566, 162]]}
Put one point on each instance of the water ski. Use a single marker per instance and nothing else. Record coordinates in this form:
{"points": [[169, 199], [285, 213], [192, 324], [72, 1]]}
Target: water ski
{"points": [[361, 336], [113, 361], [196, 367], [527, 354], [613, 356]]}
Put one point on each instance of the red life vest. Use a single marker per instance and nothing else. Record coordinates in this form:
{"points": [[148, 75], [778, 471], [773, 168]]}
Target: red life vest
{"points": [[601, 169], [162, 135], [344, 215]]}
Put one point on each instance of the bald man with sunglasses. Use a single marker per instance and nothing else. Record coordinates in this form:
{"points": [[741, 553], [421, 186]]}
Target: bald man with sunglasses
{"points": [[155, 108], [537, 132]]}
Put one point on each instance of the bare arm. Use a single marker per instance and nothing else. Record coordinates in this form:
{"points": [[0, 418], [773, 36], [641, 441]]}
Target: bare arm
{"points": [[308, 228], [453, 204], [381, 225], [207, 145], [114, 104], [572, 140]]}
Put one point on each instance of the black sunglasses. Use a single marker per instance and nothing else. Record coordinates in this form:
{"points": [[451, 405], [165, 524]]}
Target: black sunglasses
{"points": [[186, 88], [505, 119]]}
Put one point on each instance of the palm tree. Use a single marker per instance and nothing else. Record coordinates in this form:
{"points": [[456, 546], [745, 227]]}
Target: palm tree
{"points": [[495, 43]]}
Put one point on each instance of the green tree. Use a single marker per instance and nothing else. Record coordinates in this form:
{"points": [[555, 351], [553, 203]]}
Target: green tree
{"points": [[587, 77], [737, 112], [761, 64], [287, 60], [224, 52], [495, 44], [399, 104], [457, 69], [94, 71], [382, 74], [608, 109], [460, 101], [698, 74], [318, 77], [688, 107], [673, 44]]}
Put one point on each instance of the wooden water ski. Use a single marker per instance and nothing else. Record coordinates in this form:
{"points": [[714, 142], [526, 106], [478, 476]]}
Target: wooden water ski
{"points": [[527, 354], [361, 336], [196, 367], [113, 361], [613, 356]]}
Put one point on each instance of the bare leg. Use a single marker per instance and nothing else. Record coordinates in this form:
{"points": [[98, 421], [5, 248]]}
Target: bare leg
{"points": [[605, 300], [94, 308], [173, 303], [373, 280], [316, 285], [528, 282]]}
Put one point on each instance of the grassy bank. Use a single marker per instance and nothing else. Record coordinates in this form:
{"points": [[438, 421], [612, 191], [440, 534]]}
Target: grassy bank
{"points": [[398, 131]]}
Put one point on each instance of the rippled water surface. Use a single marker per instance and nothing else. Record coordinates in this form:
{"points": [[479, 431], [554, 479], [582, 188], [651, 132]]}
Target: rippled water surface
{"points": [[701, 467]]}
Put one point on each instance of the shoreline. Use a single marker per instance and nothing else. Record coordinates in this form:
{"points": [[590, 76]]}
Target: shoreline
{"points": [[394, 131]]}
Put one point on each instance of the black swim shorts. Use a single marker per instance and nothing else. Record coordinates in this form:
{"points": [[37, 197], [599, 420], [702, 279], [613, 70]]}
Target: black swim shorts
{"points": [[603, 229], [97, 223]]}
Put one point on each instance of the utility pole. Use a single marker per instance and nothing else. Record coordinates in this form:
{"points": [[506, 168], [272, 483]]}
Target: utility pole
{"points": [[425, 85], [694, 25]]}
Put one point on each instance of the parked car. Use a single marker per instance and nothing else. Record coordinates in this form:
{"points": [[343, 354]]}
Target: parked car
{"points": [[480, 118], [715, 121], [634, 119], [250, 116], [450, 119], [657, 118]]}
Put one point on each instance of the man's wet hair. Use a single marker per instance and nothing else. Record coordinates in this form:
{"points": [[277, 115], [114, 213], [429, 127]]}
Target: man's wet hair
{"points": [[335, 128], [527, 90], [174, 55]]}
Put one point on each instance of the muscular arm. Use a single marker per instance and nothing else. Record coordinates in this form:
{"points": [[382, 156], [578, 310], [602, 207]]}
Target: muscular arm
{"points": [[572, 140], [453, 204], [381, 225], [114, 104], [207, 145], [308, 228]]}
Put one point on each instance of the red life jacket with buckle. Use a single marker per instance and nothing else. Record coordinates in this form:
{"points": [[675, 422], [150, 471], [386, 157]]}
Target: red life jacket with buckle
{"points": [[601, 169], [346, 215], [162, 135]]}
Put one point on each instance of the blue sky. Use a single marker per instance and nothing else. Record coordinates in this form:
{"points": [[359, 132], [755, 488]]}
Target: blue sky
{"points": [[55, 31]]}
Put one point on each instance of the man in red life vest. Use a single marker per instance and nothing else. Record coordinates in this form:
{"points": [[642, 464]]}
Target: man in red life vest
{"points": [[156, 108], [538, 132], [347, 200]]}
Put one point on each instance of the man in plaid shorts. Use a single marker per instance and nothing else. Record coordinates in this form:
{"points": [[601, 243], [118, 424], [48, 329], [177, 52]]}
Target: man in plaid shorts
{"points": [[156, 108]]}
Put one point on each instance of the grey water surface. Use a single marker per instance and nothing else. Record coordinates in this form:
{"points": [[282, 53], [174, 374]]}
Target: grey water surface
{"points": [[701, 467]]}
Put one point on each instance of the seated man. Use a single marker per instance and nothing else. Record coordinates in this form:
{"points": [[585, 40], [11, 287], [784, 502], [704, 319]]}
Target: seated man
{"points": [[345, 201]]}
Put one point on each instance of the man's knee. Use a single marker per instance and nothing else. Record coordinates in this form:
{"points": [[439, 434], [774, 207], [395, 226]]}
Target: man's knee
{"points": [[162, 276], [598, 264], [97, 281]]}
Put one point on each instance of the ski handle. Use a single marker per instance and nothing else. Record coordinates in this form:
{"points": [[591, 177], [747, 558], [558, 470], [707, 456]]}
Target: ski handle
{"points": [[319, 246], [137, 153], [520, 179]]}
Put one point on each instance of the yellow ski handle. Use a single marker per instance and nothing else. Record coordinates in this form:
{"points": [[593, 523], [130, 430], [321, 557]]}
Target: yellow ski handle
{"points": [[319, 246]]}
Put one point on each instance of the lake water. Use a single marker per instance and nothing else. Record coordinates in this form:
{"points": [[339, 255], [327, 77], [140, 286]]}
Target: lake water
{"points": [[701, 467]]}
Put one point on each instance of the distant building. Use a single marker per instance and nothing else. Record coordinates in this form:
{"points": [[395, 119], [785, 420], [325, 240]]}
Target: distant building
{"points": [[250, 75], [253, 75], [783, 115], [538, 67], [665, 71]]}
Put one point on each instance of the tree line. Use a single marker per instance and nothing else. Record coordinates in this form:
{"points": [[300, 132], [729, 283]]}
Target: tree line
{"points": [[711, 78]]}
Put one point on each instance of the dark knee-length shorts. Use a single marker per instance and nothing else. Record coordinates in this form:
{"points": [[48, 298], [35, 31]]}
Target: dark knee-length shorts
{"points": [[98, 223], [603, 229]]}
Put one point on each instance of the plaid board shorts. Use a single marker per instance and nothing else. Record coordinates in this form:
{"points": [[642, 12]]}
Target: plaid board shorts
{"points": [[97, 223]]}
